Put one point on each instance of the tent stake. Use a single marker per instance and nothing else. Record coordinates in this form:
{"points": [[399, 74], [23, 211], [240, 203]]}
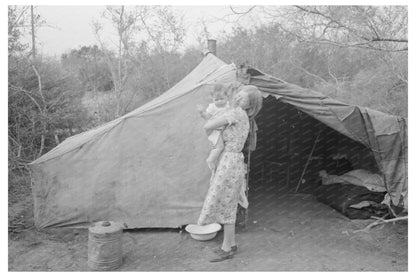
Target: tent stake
{"points": [[307, 162], [289, 160]]}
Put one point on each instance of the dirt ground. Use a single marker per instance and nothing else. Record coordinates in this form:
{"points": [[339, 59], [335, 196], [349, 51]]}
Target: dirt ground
{"points": [[285, 233]]}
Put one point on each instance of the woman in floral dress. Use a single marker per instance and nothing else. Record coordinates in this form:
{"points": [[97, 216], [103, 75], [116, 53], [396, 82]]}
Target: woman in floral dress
{"points": [[221, 202]]}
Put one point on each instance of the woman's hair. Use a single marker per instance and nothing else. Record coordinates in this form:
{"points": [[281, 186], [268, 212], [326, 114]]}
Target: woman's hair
{"points": [[255, 100]]}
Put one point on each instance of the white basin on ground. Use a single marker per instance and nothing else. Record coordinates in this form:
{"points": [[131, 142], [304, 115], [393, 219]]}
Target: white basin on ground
{"points": [[203, 232]]}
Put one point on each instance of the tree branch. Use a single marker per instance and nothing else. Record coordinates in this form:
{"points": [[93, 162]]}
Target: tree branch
{"points": [[39, 84], [364, 45], [389, 39], [17, 143], [242, 13], [307, 72], [333, 77], [368, 42], [340, 24], [381, 221], [15, 23], [28, 94]]}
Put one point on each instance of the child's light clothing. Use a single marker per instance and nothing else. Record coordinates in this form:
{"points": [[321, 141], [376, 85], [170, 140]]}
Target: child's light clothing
{"points": [[215, 111]]}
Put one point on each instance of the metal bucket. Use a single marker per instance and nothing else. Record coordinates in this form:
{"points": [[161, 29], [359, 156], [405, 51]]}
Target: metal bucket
{"points": [[105, 245]]}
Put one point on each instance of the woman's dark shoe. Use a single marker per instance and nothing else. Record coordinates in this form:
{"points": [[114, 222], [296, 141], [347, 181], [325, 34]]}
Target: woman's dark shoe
{"points": [[222, 256]]}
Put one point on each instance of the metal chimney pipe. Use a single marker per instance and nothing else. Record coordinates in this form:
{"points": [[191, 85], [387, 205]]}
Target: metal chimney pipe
{"points": [[212, 46]]}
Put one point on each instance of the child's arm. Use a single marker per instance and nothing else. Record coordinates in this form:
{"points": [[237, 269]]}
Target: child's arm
{"points": [[203, 112], [216, 123], [205, 115]]}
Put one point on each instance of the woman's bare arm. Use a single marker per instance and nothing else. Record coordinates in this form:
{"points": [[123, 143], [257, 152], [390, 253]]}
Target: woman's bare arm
{"points": [[216, 123]]}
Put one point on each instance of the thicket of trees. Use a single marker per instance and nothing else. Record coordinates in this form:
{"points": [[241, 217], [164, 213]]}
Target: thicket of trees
{"points": [[355, 54], [51, 99]]}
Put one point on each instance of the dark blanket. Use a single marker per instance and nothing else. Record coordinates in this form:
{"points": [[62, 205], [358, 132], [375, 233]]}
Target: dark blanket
{"points": [[341, 196]]}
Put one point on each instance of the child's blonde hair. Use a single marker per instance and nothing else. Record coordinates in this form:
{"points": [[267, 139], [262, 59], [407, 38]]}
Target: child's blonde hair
{"points": [[228, 90], [219, 90]]}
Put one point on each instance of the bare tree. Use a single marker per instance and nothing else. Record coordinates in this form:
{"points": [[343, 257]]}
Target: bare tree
{"points": [[156, 28], [382, 28], [16, 21], [125, 23], [204, 34], [32, 23], [164, 29]]}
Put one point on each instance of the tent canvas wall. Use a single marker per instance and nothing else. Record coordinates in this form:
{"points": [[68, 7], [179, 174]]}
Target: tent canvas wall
{"points": [[147, 168]]}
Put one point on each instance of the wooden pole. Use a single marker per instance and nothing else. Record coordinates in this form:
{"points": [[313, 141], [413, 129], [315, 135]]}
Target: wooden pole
{"points": [[307, 162], [289, 154], [247, 182], [248, 174]]}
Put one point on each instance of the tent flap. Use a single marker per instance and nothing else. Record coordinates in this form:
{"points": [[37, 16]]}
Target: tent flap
{"points": [[380, 132]]}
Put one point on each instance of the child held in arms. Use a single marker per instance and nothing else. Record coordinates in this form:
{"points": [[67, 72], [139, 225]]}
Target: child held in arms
{"points": [[220, 105]]}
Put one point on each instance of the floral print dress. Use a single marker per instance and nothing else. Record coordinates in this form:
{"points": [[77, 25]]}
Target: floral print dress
{"points": [[221, 202]]}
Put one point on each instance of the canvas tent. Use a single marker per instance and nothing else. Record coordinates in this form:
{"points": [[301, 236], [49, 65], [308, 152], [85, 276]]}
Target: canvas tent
{"points": [[147, 168]]}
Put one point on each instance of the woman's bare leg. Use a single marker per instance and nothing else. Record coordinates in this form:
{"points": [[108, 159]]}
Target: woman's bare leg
{"points": [[229, 237]]}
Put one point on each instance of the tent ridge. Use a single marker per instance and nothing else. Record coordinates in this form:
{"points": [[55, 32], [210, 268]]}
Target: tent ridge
{"points": [[137, 112], [199, 84]]}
